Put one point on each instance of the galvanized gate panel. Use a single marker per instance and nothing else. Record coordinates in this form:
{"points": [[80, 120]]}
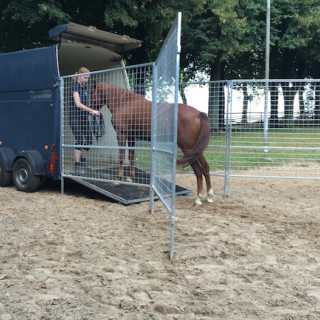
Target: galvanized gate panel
{"points": [[116, 157], [124, 93], [272, 129], [164, 124], [278, 133], [264, 129]]}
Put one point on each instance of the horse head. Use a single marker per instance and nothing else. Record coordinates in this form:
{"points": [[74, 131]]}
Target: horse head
{"points": [[98, 98]]}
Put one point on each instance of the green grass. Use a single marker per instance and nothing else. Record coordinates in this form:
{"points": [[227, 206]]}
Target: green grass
{"points": [[247, 150]]}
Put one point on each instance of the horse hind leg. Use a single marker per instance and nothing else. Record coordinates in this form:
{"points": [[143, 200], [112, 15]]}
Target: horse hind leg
{"points": [[132, 171], [121, 143], [206, 172], [121, 160], [197, 171]]}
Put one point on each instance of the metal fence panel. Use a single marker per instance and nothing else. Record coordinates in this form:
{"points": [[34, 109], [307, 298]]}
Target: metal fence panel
{"points": [[108, 136], [121, 131], [264, 129], [165, 113], [275, 129]]}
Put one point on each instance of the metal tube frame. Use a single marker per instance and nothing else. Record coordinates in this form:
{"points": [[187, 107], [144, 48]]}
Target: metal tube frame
{"points": [[61, 135], [153, 136], [228, 137], [170, 153], [173, 213], [266, 93]]}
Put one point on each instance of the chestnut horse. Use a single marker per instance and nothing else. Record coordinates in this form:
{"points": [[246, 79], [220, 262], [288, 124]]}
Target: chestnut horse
{"points": [[131, 119]]}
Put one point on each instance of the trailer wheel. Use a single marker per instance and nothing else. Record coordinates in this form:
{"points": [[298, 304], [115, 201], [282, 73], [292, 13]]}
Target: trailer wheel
{"points": [[5, 176], [23, 178]]}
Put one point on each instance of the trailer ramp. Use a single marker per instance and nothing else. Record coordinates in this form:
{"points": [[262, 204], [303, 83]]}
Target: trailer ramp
{"points": [[122, 191]]}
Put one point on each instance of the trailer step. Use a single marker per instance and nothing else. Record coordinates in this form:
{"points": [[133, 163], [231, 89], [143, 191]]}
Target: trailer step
{"points": [[123, 192]]}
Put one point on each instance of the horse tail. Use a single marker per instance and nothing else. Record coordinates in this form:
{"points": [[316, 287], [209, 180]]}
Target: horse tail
{"points": [[201, 144]]}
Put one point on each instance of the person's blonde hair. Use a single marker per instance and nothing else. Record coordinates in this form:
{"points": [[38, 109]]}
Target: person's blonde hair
{"points": [[83, 70]]}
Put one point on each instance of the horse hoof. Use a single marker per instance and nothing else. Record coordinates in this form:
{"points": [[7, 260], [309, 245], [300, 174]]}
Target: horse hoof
{"points": [[210, 194], [198, 202], [210, 199], [202, 197]]}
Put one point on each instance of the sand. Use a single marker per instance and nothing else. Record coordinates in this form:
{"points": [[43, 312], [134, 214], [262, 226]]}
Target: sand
{"points": [[253, 255]]}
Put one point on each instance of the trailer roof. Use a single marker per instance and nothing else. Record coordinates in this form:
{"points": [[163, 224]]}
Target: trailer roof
{"points": [[91, 35]]}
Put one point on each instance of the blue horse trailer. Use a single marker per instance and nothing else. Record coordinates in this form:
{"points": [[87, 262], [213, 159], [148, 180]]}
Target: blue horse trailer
{"points": [[30, 99]]}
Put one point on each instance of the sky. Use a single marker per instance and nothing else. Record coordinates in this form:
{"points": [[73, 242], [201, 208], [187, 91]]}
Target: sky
{"points": [[197, 97]]}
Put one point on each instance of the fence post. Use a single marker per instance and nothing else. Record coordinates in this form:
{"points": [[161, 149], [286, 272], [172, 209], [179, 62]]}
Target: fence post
{"points": [[153, 134], [175, 138], [61, 91], [228, 136], [266, 118]]}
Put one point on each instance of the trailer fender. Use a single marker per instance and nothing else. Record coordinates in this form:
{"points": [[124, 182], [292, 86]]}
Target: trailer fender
{"points": [[7, 156], [36, 161]]}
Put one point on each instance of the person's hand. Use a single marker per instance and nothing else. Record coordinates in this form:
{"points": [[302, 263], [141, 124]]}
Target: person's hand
{"points": [[95, 112]]}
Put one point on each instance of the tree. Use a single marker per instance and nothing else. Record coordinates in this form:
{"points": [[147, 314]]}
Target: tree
{"points": [[25, 24], [217, 30], [295, 45]]}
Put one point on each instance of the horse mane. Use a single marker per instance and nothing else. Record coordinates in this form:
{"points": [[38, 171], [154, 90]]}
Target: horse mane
{"points": [[117, 89]]}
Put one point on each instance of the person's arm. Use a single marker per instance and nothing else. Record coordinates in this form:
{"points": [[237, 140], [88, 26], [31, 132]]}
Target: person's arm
{"points": [[77, 101]]}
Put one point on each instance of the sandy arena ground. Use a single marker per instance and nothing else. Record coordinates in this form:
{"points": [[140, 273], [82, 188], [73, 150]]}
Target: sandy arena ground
{"points": [[254, 255]]}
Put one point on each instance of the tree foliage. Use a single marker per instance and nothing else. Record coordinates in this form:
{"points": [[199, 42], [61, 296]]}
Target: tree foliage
{"points": [[224, 38]]}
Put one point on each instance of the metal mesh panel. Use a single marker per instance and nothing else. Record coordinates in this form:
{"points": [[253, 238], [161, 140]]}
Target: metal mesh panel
{"points": [[106, 137], [108, 119], [165, 118], [164, 124], [275, 128], [264, 135]]}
